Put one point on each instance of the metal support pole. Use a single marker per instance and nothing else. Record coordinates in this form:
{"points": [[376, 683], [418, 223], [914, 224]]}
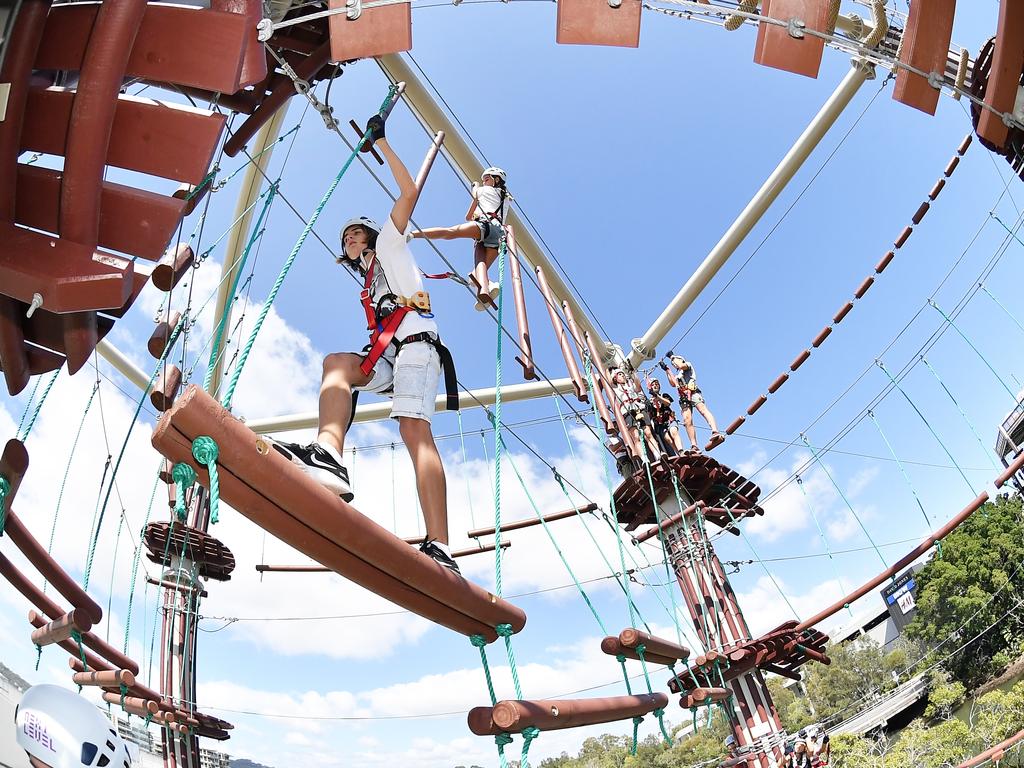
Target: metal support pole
{"points": [[248, 192], [122, 364], [644, 347]]}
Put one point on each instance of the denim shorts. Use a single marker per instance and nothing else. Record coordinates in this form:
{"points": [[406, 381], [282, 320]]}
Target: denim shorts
{"points": [[490, 232], [409, 378]]}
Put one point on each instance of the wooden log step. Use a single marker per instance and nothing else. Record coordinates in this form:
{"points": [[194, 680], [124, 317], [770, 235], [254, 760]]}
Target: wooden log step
{"points": [[59, 629], [699, 697], [108, 678], [276, 495], [172, 267], [159, 138], [69, 277], [516, 525], [133, 221], [157, 343], [614, 647], [165, 390], [212, 59], [634, 638], [552, 715]]}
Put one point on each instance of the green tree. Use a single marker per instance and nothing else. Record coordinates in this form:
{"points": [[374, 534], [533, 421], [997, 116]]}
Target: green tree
{"points": [[975, 584], [859, 670], [793, 709]]}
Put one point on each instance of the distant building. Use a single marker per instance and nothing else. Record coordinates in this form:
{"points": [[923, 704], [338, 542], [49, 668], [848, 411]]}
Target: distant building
{"points": [[885, 622], [1010, 440]]}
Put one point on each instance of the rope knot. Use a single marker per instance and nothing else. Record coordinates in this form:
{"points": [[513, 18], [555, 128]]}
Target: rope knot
{"points": [[637, 720], [183, 473], [5, 488], [529, 733], [502, 740], [205, 450], [478, 641], [621, 658], [659, 712], [504, 630]]}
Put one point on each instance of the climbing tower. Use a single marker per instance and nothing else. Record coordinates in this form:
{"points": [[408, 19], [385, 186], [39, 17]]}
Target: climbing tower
{"points": [[691, 493]]}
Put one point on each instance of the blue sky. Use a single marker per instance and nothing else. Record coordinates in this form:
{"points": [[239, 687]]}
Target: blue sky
{"points": [[631, 164]]}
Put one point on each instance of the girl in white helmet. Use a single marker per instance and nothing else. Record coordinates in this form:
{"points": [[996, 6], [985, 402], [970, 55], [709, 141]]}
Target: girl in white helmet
{"points": [[485, 223], [60, 729], [684, 379], [403, 360]]}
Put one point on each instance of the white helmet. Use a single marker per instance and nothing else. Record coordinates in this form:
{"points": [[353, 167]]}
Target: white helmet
{"points": [[494, 171], [62, 730], [362, 221]]}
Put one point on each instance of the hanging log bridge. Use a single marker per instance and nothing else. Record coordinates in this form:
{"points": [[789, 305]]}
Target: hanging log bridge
{"points": [[277, 496]]}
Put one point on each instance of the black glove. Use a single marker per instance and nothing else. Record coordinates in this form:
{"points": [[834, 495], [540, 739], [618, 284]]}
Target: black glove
{"points": [[663, 366], [375, 126]]}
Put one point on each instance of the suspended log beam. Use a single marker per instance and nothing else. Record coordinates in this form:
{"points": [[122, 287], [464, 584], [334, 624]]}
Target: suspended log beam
{"points": [[172, 267], [556, 323], [925, 47], [553, 715], [525, 356], [308, 517], [457, 553], [700, 697], [1014, 467], [51, 570], [35, 596], [1004, 78], [614, 647], [776, 47], [664, 525], [634, 638], [59, 629], [136, 688], [516, 525], [165, 390], [108, 678], [157, 343], [900, 564]]}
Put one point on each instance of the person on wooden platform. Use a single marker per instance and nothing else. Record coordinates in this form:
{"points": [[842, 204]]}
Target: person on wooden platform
{"points": [[403, 360], [683, 377], [664, 418]]}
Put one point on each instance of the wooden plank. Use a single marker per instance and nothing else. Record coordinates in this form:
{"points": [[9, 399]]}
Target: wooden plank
{"points": [[1007, 63], [69, 277], [211, 59], [925, 47], [148, 136], [775, 47], [378, 31], [133, 221], [594, 22]]}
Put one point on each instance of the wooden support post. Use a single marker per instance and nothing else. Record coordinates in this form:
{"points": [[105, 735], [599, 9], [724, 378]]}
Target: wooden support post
{"points": [[552, 715], [525, 356], [556, 323], [1004, 78], [664, 525]]}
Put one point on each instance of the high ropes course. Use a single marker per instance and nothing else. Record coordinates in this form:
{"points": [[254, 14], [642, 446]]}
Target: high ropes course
{"points": [[76, 251]]}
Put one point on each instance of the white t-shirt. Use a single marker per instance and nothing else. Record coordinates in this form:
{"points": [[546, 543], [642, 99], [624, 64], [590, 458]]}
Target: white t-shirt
{"points": [[488, 201], [396, 272]]}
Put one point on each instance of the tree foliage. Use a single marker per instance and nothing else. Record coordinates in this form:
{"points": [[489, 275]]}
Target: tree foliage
{"points": [[973, 585]]}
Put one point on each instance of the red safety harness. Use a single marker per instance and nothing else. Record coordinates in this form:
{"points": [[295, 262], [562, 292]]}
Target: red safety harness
{"points": [[383, 326]]}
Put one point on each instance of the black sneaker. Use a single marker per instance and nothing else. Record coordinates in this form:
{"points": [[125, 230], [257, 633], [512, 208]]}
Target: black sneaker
{"points": [[431, 550], [318, 464]]}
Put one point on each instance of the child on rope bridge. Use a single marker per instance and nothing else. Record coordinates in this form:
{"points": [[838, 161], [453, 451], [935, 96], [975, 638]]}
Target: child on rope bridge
{"points": [[684, 379], [403, 360], [485, 223]]}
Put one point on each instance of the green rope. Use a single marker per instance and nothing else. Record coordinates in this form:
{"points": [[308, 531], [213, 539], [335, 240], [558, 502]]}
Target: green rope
{"points": [[966, 419], [505, 632], [465, 462], [184, 476], [28, 405], [1010, 231], [554, 543], [480, 644], [258, 155], [842, 495], [871, 415], [988, 365], [757, 557], [23, 436], [67, 471], [1000, 305], [245, 212], [621, 658], [688, 551], [135, 566], [257, 231], [205, 451], [821, 534], [926, 423], [124, 446], [640, 650], [495, 418], [77, 637], [230, 393], [5, 488], [636, 734], [529, 733]]}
